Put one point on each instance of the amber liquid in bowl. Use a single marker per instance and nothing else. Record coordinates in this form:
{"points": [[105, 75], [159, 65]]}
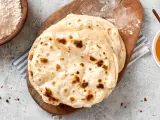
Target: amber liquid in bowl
{"points": [[158, 49]]}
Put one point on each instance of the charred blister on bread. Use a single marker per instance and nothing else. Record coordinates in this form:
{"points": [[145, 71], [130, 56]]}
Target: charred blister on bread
{"points": [[78, 43], [44, 60], [31, 73], [76, 79], [100, 86], [53, 83], [82, 57], [58, 67], [65, 90], [45, 44], [70, 37], [99, 46], [62, 59], [79, 20], [100, 63], [51, 47], [77, 72], [72, 99], [82, 64], [31, 56], [62, 41], [89, 97], [84, 84], [92, 58], [50, 39], [105, 67], [50, 95], [41, 43]]}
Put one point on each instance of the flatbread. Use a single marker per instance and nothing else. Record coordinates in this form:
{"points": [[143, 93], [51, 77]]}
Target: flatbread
{"points": [[78, 22], [76, 68]]}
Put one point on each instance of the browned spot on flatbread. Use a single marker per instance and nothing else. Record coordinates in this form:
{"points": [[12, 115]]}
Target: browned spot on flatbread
{"points": [[109, 29], [46, 44], [100, 86], [51, 47], [50, 39], [98, 46], [61, 58], [89, 97], [77, 72], [65, 90], [99, 80], [44, 60], [62, 40], [92, 58], [105, 67], [31, 73], [76, 79], [99, 63], [31, 56], [90, 27], [82, 64], [84, 84], [49, 94], [53, 83], [41, 43], [58, 67], [72, 99], [82, 57], [70, 37], [78, 43]]}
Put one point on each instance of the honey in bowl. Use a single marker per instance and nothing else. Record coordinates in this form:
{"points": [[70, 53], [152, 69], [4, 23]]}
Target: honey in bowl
{"points": [[158, 49]]}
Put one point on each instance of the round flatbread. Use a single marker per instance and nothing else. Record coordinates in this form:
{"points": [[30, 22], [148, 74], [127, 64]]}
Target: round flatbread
{"points": [[78, 22], [76, 68]]}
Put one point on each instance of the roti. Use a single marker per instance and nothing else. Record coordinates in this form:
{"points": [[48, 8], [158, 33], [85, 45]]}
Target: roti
{"points": [[75, 68], [76, 61]]}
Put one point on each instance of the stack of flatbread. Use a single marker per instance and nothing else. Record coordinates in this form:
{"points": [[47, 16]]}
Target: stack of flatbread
{"points": [[76, 61]]}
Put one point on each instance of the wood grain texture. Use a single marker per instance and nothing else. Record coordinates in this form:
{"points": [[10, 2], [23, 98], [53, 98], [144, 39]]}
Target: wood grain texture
{"points": [[20, 25], [84, 7]]}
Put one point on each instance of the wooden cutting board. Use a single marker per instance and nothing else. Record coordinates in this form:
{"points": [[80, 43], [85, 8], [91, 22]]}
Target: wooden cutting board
{"points": [[128, 18], [20, 25]]}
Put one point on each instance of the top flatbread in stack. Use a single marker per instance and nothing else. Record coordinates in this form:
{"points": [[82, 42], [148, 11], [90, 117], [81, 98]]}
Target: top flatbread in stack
{"points": [[76, 62]]}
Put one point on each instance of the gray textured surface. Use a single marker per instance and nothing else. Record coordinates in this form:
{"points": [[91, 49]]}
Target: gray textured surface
{"points": [[140, 81]]}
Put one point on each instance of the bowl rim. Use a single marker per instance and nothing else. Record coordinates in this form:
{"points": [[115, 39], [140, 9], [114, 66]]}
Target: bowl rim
{"points": [[20, 25], [154, 48]]}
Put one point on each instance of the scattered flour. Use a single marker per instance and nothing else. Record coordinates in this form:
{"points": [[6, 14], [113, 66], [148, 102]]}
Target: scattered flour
{"points": [[124, 20], [127, 21], [10, 15], [108, 6]]}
